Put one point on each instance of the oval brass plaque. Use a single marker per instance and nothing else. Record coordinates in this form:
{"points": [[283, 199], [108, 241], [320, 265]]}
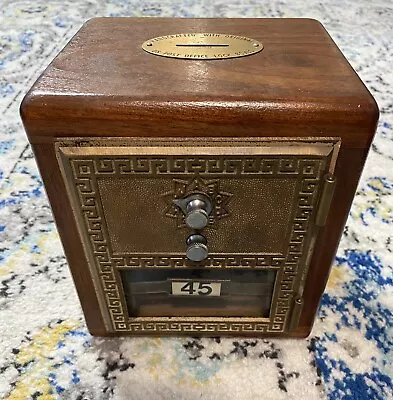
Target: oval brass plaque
{"points": [[202, 46]]}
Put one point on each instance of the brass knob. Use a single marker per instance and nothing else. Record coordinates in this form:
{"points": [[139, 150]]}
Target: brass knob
{"points": [[197, 217], [196, 209], [197, 249]]}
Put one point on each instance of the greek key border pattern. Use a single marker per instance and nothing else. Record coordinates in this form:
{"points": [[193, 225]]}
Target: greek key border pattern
{"points": [[178, 260], [308, 170], [223, 166]]}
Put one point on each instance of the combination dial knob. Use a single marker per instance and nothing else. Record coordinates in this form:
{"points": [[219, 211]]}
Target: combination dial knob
{"points": [[197, 249], [196, 209], [197, 216]]}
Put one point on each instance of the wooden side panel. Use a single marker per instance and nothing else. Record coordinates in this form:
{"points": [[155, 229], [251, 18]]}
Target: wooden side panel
{"points": [[65, 221]]}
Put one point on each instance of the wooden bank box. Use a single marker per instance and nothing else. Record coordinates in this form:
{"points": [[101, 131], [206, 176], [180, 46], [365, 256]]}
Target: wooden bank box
{"points": [[200, 171]]}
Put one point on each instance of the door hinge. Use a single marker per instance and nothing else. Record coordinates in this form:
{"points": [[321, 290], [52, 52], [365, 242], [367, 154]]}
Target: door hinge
{"points": [[325, 200], [296, 312]]}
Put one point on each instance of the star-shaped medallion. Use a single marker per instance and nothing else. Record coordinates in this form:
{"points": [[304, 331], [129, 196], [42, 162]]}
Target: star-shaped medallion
{"points": [[183, 188]]}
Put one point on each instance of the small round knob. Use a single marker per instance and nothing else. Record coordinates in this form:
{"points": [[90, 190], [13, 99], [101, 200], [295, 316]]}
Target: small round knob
{"points": [[197, 249], [197, 216]]}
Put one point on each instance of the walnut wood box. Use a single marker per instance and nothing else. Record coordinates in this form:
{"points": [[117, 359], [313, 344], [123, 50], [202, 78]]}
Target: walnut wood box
{"points": [[200, 196]]}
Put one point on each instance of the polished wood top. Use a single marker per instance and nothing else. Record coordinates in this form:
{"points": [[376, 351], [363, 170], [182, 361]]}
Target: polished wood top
{"points": [[300, 84]]}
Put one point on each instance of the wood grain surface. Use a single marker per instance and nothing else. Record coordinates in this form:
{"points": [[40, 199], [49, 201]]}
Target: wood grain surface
{"points": [[299, 85]]}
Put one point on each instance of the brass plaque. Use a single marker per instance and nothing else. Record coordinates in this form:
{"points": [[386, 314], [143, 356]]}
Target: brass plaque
{"points": [[202, 46]]}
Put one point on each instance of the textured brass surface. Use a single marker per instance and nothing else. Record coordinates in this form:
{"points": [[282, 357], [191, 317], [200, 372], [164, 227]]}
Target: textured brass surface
{"points": [[274, 185], [202, 46], [133, 229]]}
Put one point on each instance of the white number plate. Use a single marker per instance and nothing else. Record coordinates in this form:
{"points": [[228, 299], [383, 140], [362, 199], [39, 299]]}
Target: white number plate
{"points": [[196, 288]]}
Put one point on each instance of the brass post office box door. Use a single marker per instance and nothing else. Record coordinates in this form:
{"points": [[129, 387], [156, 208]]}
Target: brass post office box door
{"points": [[219, 231]]}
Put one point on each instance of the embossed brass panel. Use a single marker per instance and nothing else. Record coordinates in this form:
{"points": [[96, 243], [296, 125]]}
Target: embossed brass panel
{"points": [[265, 195], [136, 213]]}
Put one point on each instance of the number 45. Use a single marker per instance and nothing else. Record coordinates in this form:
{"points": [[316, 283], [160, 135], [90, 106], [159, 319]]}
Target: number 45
{"points": [[197, 288]]}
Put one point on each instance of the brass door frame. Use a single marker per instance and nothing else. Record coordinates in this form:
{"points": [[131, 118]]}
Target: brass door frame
{"points": [[82, 160]]}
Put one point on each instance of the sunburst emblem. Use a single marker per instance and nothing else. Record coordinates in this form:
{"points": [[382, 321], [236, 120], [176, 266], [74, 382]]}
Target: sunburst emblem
{"points": [[183, 188]]}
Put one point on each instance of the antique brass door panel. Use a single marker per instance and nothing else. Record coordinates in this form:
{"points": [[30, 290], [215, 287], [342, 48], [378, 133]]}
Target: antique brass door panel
{"points": [[247, 210]]}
